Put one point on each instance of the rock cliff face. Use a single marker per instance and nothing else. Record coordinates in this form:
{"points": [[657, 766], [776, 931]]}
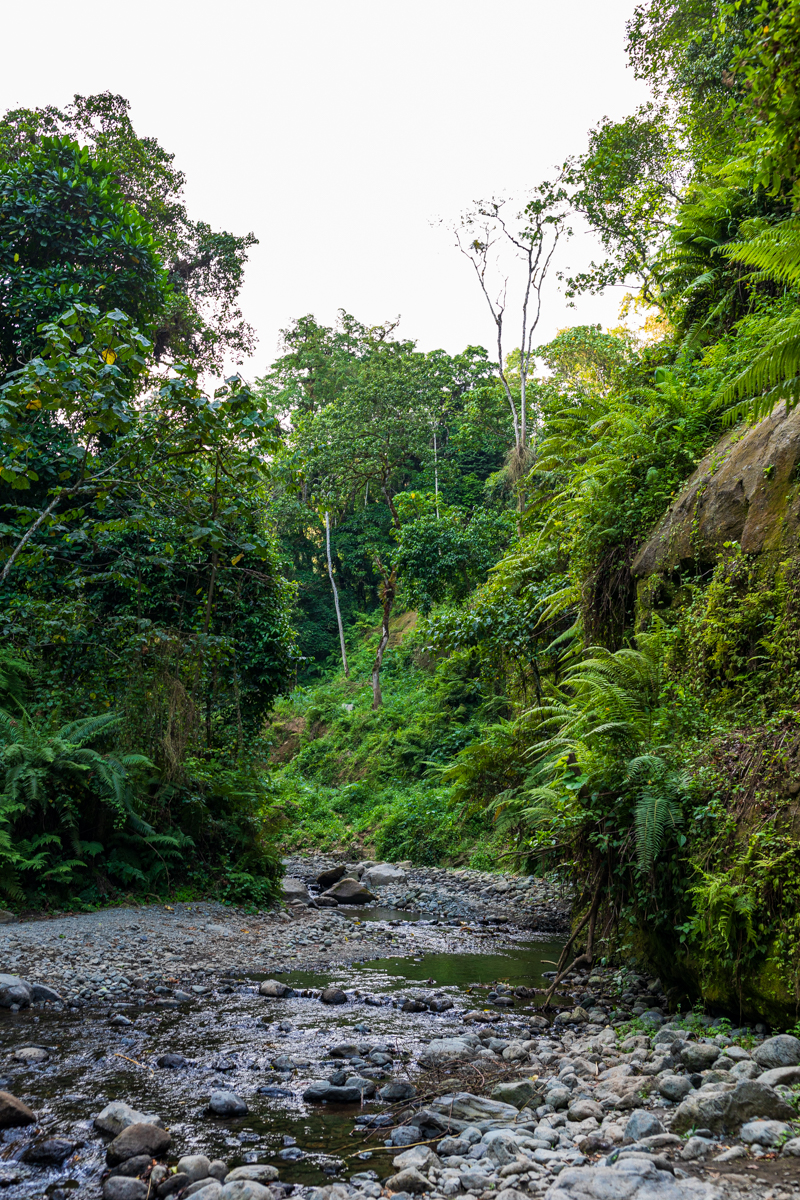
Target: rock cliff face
{"points": [[746, 490]]}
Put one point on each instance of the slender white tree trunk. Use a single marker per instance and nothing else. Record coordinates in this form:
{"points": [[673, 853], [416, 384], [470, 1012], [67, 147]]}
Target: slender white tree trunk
{"points": [[335, 594], [436, 473]]}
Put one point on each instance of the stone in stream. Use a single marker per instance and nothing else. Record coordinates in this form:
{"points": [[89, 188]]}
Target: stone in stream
{"points": [[14, 990], [276, 990], [40, 993], [31, 1054], [173, 1183], [326, 901], [421, 1157], [260, 1172], [326, 879], [414, 1006], [120, 1020], [195, 1166], [350, 891], [329, 1093], [132, 1166], [118, 1115], [122, 1187], [780, 1051], [50, 1150], [13, 1112], [135, 1140], [209, 1189], [294, 889], [466, 1107], [410, 1180], [333, 995], [398, 1089], [445, 1049], [383, 875], [171, 1061], [245, 1189], [519, 1091], [226, 1104], [274, 1092], [344, 1050]]}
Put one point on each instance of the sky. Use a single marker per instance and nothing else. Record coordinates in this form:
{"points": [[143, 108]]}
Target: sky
{"points": [[346, 134]]}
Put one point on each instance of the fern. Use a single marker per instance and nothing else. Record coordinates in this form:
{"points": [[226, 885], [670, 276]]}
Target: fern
{"points": [[658, 808]]}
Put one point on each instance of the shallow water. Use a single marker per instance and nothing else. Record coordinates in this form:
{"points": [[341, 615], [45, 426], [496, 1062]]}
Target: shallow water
{"points": [[232, 1040]]}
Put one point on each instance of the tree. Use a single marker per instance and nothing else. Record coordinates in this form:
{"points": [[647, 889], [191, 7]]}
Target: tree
{"points": [[485, 236], [199, 318]]}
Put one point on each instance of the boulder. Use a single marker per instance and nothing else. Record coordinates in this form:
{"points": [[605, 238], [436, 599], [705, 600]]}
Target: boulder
{"points": [[350, 891], [50, 1150], [172, 1184], [275, 990], [383, 875], [122, 1187], [41, 993], [764, 1133], [410, 1180], [580, 1110], [137, 1139], [132, 1166], [226, 1104], [326, 879], [397, 1090], [780, 1051], [209, 1189], [421, 1157], [675, 1087], [14, 990], [784, 1076], [701, 1111], [628, 1179], [466, 1107], [333, 995], [750, 1099], [260, 1172], [344, 1050], [447, 1049], [698, 1056], [171, 1062], [245, 1189], [294, 889], [118, 1115], [31, 1054], [13, 1112], [519, 1092], [642, 1124], [195, 1166]]}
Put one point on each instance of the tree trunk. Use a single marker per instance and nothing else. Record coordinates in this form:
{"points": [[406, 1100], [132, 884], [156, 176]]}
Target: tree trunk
{"points": [[335, 594], [388, 592]]}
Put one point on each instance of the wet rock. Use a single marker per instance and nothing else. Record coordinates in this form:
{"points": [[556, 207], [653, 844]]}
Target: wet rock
{"points": [[14, 990], [218, 1169], [42, 994], [410, 1180], [698, 1056], [195, 1166], [764, 1133], [173, 1183], [350, 891], [121, 1022], [275, 1092], [135, 1140], [31, 1054], [259, 1172], [780, 1051], [412, 1005], [275, 989], [51, 1150], [326, 879], [406, 1135], [344, 1050], [333, 995], [440, 1005], [329, 1093], [365, 1087], [13, 1112], [245, 1189], [122, 1187], [118, 1115], [226, 1104], [172, 1062], [132, 1166], [294, 889], [398, 1089], [447, 1049], [642, 1124], [326, 901]]}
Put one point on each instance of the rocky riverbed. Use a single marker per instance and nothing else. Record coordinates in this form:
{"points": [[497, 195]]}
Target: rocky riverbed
{"points": [[328, 1051]]}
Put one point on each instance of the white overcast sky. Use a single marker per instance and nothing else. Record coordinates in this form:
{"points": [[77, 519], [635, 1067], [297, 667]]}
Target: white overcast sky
{"points": [[338, 130]]}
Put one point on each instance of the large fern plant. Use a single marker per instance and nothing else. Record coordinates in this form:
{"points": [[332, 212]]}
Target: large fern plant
{"points": [[774, 374]]}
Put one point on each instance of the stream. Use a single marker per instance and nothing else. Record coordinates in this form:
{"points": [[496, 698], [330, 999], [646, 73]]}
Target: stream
{"points": [[231, 1039]]}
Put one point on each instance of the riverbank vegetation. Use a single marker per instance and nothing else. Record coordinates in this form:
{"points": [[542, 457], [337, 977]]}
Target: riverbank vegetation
{"points": [[414, 603]]}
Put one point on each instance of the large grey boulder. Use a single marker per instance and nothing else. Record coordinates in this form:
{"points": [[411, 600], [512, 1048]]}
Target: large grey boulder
{"points": [[226, 1104], [135, 1140], [409, 1180], [121, 1187], [674, 1087], [118, 1115], [398, 1089], [701, 1110], [780, 1051], [245, 1189], [14, 1113], [520, 1091], [194, 1166], [294, 889], [326, 879], [14, 990], [350, 891], [642, 1124], [260, 1172], [764, 1133], [383, 875], [275, 989], [784, 1076], [755, 1099], [421, 1157], [698, 1056]]}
